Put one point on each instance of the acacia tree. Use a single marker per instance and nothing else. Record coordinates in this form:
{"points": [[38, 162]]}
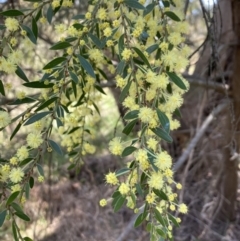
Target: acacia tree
{"points": [[141, 43]]}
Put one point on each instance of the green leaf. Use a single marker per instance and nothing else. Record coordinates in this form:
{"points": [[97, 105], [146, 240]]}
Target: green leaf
{"points": [[134, 4], [74, 88], [19, 72], [160, 194], [31, 182], [100, 89], [59, 122], [128, 151], [122, 171], [166, 4], [116, 194], [150, 227], [79, 16], [74, 77], [34, 27], [26, 161], [60, 45], [55, 147], [121, 46], [87, 66], [50, 14], [159, 217], [27, 190], [38, 85], [131, 115], [125, 91], [140, 219], [173, 16], [128, 128], [95, 40], [14, 230], [119, 203], [12, 13], [120, 67], [27, 239], [12, 197], [162, 134], [173, 219], [142, 56], [46, 103], [2, 91], [149, 8], [22, 101], [38, 14], [30, 34], [152, 48], [16, 207], [16, 130], [23, 216], [55, 62], [37, 117], [40, 170], [161, 233], [2, 217], [139, 189], [163, 120], [176, 80]]}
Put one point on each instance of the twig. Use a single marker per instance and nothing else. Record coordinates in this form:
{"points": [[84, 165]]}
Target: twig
{"points": [[198, 136]]}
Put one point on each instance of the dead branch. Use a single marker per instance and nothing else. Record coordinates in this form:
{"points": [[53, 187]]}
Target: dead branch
{"points": [[198, 136]]}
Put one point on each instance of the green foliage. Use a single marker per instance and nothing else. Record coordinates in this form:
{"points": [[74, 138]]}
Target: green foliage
{"points": [[137, 46]]}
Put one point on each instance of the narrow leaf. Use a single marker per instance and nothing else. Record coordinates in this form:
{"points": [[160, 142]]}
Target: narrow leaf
{"points": [[50, 14], [122, 171], [46, 103], [125, 91], [2, 217], [121, 46], [74, 77], [131, 115], [30, 34], [14, 230], [12, 13], [16, 207], [23, 216], [55, 147], [163, 120], [37, 117], [38, 85], [134, 4], [60, 45], [142, 56], [2, 91], [40, 170], [87, 66], [159, 217], [119, 203], [16, 130], [176, 80], [128, 128], [140, 219], [173, 16], [128, 151], [12, 197], [162, 134], [34, 27], [19, 72], [55, 62]]}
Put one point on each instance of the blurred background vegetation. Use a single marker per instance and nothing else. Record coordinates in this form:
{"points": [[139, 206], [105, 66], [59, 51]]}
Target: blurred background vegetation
{"points": [[205, 147]]}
